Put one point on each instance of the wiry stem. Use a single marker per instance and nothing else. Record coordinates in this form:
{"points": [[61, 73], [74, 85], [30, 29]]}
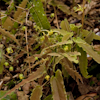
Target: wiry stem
{"points": [[56, 17], [83, 14], [27, 39]]}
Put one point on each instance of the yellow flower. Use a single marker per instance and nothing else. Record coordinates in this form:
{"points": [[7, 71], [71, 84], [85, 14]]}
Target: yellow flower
{"points": [[9, 50], [50, 32], [47, 77], [21, 76], [65, 48]]}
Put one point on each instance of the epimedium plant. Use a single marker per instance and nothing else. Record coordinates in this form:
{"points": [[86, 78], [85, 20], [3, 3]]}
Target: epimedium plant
{"points": [[66, 46]]}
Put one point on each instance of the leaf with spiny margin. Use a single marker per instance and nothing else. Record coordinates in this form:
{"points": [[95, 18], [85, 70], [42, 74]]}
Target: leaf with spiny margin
{"points": [[37, 74], [39, 15], [65, 25], [57, 86], [36, 93], [6, 33], [57, 44], [88, 48], [83, 63], [72, 72], [57, 60], [72, 56], [67, 36], [20, 9]]}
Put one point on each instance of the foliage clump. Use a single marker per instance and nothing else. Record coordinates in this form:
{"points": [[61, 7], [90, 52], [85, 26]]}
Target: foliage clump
{"points": [[44, 48]]}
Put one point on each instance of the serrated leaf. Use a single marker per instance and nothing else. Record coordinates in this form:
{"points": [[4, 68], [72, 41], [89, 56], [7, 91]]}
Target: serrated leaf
{"points": [[57, 60], [72, 72], [36, 93], [20, 9], [37, 74], [57, 86], [65, 25], [88, 48], [39, 15], [6, 33], [83, 63], [67, 36], [57, 44], [70, 57]]}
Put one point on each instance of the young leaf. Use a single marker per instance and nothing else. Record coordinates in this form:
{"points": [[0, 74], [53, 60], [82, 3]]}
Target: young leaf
{"points": [[71, 56], [36, 93], [39, 15], [65, 25], [83, 63], [89, 37], [85, 33], [57, 86], [86, 47], [58, 44]]}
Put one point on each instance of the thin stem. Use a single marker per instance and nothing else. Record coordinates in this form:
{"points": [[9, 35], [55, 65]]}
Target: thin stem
{"points": [[83, 14], [56, 17], [27, 39]]}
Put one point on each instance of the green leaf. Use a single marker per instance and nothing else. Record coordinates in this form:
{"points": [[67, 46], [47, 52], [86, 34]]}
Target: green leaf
{"points": [[57, 60], [65, 25], [71, 71], [39, 15], [85, 33], [66, 10], [12, 96], [66, 34], [36, 93], [89, 37], [61, 31], [57, 86], [57, 44], [2, 93], [83, 63], [71, 56], [49, 97], [88, 48]]}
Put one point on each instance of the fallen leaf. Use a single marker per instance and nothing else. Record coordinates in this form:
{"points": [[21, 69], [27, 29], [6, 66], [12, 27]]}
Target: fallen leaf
{"points": [[87, 96]]}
